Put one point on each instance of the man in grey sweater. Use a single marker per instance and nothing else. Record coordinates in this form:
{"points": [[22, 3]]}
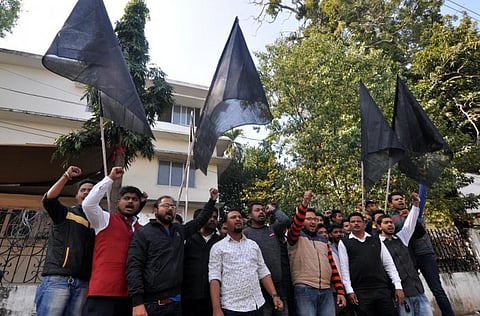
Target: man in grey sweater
{"points": [[269, 239]]}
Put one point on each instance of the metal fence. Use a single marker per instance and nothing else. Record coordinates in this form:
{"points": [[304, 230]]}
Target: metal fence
{"points": [[24, 233], [454, 250], [23, 241]]}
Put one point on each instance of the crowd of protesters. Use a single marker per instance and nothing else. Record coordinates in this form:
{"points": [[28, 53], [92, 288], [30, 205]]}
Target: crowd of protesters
{"points": [[105, 263]]}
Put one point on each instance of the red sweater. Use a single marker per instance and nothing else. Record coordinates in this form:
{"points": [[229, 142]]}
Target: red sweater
{"points": [[110, 258]]}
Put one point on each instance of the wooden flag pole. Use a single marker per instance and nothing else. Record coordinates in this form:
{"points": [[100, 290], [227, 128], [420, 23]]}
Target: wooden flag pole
{"points": [[104, 149], [186, 171], [363, 188], [387, 190]]}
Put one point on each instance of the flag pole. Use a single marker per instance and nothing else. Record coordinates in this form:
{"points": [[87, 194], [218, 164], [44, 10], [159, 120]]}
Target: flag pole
{"points": [[186, 171], [104, 149], [387, 190], [363, 187]]}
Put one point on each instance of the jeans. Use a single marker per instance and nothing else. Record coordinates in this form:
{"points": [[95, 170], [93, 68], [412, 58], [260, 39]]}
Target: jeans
{"points": [[310, 301], [428, 267], [419, 306], [60, 295], [172, 309]]}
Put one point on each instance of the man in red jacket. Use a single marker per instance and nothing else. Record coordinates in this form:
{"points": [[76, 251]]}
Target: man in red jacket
{"points": [[107, 292]]}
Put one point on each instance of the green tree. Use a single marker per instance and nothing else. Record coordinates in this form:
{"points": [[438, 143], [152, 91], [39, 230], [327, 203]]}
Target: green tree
{"points": [[9, 11], [313, 87], [154, 91], [395, 26], [447, 81]]}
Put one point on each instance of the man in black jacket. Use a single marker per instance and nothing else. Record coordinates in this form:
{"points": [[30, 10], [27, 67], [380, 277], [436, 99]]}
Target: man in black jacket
{"points": [[195, 287], [155, 258], [68, 263]]}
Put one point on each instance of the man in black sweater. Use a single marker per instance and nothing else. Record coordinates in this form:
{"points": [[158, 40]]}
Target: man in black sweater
{"points": [[195, 287], [364, 265]]}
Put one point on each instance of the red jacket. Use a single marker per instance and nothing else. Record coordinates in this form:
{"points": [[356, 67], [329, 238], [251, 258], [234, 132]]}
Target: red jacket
{"points": [[110, 258]]}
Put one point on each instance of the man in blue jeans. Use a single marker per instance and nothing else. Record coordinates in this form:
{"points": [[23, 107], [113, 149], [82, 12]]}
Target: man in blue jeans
{"points": [[422, 248], [68, 262]]}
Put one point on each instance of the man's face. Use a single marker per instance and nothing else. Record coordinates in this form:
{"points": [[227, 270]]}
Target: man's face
{"points": [[212, 223], [234, 222], [257, 214], [311, 222], [357, 225], [346, 228], [387, 226], [223, 230], [372, 207], [165, 211], [337, 218], [398, 202], [337, 234], [322, 231], [319, 219], [128, 204], [83, 191]]}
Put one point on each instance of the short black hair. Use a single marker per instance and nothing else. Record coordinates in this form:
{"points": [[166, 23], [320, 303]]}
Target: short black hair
{"points": [[155, 205], [389, 199], [356, 214], [198, 210], [380, 218], [179, 218], [333, 226], [370, 202], [251, 204], [130, 189], [336, 212], [87, 180]]}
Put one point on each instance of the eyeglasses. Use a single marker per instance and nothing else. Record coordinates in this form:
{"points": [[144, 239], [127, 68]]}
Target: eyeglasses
{"points": [[312, 219], [168, 206]]}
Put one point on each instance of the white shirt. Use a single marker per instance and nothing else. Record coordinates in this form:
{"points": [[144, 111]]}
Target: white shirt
{"points": [[386, 258], [239, 266], [408, 227], [97, 217]]}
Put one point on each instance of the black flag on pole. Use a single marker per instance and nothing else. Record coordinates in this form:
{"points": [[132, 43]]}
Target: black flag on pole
{"points": [[380, 147], [427, 153], [86, 50], [236, 97]]}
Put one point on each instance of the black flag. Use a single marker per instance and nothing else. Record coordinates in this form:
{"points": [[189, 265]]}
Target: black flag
{"points": [[236, 97], [86, 50], [380, 147], [427, 153]]}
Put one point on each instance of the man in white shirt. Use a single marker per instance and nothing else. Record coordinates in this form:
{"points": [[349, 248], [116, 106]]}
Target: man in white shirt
{"points": [[235, 268]]}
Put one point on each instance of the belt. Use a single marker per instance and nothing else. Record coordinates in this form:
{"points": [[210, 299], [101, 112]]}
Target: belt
{"points": [[164, 301]]}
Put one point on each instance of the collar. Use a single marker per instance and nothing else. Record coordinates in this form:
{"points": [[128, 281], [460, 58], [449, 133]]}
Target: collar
{"points": [[351, 235], [229, 238], [382, 238]]}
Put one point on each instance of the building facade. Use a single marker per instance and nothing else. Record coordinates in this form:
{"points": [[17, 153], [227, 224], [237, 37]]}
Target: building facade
{"points": [[37, 106]]}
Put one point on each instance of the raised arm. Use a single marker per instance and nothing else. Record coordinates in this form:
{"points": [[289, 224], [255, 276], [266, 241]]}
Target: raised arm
{"points": [[297, 225], [281, 220], [194, 225], [410, 222], [97, 217], [69, 174]]}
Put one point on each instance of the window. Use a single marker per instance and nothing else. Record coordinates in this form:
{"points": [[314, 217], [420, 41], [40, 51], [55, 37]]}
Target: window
{"points": [[181, 115], [171, 173]]}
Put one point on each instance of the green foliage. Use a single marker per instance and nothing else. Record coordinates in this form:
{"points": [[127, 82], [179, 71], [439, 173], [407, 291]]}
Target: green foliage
{"points": [[156, 96], [313, 86], [9, 11]]}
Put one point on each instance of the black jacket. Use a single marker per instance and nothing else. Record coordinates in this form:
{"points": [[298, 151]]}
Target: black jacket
{"points": [[195, 267], [155, 258], [70, 241]]}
